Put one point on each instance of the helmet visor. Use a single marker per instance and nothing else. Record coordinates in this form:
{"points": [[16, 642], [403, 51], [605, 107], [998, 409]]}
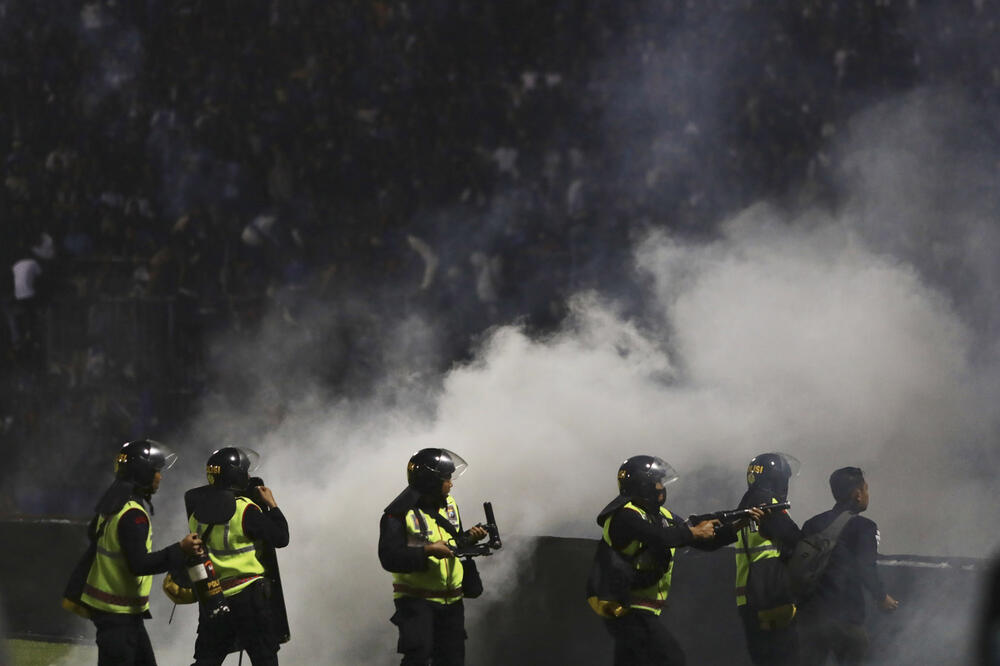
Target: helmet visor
{"points": [[450, 465], [161, 456], [661, 472], [793, 463], [252, 456]]}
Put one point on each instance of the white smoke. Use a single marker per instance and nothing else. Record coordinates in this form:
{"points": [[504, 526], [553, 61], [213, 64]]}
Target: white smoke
{"points": [[782, 334], [837, 337]]}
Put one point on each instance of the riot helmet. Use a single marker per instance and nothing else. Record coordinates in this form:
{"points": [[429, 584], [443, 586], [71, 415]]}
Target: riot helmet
{"points": [[429, 468], [138, 461], [771, 472], [639, 475], [229, 468]]}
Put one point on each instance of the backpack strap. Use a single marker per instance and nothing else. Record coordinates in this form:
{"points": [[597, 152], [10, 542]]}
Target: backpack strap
{"points": [[96, 534], [446, 525], [204, 536], [833, 530]]}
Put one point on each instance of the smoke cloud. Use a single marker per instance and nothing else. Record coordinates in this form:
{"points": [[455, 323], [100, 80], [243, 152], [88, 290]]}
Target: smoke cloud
{"points": [[863, 336], [807, 332]]}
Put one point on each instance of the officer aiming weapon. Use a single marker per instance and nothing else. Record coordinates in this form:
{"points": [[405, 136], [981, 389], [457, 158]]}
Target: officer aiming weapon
{"points": [[733, 516], [468, 548]]}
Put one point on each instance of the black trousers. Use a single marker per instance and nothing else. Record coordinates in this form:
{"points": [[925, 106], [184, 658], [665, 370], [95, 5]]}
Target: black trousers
{"points": [[122, 640], [430, 633], [642, 639], [247, 626], [774, 647], [823, 635]]}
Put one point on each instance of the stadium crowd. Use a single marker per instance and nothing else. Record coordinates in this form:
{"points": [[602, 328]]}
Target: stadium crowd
{"points": [[175, 169]]}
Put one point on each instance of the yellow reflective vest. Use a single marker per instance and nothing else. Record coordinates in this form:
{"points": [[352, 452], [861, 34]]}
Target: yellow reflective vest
{"points": [[111, 586], [654, 597], [751, 547], [753, 550], [232, 552], [441, 581]]}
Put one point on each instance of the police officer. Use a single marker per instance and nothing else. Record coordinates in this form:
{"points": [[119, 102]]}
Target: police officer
{"points": [[115, 593], [638, 526], [763, 599], [233, 525], [417, 533]]}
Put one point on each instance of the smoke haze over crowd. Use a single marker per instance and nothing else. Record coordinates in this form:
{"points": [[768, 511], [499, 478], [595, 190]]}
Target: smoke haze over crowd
{"points": [[822, 334]]}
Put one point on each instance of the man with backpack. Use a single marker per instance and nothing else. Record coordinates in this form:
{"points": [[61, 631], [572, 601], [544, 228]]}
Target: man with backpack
{"points": [[832, 615]]}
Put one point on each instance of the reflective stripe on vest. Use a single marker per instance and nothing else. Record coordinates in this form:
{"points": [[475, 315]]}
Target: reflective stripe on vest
{"points": [[110, 586], [750, 547], [441, 581], [233, 553], [654, 597]]}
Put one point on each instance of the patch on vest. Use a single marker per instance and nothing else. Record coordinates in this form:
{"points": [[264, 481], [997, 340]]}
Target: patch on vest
{"points": [[452, 516]]}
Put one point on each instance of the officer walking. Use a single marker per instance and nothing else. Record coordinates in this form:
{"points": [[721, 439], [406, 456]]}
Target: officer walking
{"points": [[763, 599], [417, 533], [114, 591], [833, 616], [234, 519], [640, 528]]}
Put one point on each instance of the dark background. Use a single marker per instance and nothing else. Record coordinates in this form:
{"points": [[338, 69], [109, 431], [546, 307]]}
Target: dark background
{"points": [[211, 170]]}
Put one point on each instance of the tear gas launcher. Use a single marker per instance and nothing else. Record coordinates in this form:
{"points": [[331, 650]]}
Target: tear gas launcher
{"points": [[468, 548], [733, 516]]}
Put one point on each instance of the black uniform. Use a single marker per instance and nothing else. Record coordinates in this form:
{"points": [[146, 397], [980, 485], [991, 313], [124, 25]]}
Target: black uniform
{"points": [[429, 632], [779, 646], [640, 637], [249, 625], [832, 619]]}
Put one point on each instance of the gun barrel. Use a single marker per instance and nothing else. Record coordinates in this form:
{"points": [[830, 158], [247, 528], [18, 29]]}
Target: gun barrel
{"points": [[733, 515], [488, 510]]}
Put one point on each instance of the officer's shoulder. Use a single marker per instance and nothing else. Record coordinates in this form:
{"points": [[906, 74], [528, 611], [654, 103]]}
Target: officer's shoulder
{"points": [[136, 513], [613, 507], [403, 502], [249, 504]]}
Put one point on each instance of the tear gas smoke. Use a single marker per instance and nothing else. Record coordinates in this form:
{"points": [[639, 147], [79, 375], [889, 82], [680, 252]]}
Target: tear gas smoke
{"points": [[797, 333]]}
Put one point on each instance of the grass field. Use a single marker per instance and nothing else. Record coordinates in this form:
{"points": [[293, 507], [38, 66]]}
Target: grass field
{"points": [[41, 653]]}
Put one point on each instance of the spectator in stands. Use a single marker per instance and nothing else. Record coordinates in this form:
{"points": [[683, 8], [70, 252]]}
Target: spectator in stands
{"points": [[23, 316]]}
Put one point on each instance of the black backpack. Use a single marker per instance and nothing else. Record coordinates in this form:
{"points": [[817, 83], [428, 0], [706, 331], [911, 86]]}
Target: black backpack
{"points": [[609, 584], [811, 556], [78, 578], [613, 575]]}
